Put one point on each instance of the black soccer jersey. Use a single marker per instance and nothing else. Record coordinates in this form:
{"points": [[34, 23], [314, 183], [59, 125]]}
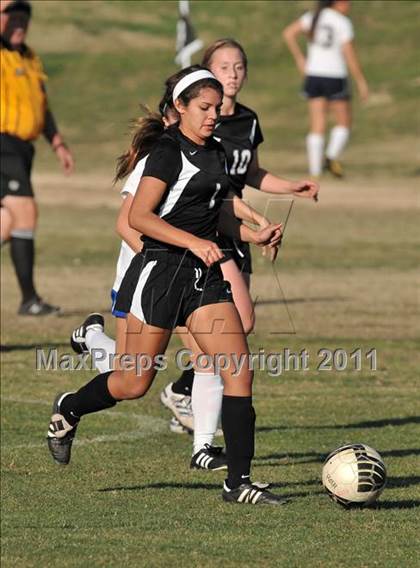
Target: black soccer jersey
{"points": [[240, 134], [197, 182]]}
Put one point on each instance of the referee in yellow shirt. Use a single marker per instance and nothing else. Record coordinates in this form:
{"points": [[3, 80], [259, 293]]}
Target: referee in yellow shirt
{"points": [[24, 116]]}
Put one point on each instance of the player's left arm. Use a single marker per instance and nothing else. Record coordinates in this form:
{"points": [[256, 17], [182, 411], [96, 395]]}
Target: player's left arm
{"points": [[269, 183], [245, 212], [355, 68], [54, 137], [229, 224]]}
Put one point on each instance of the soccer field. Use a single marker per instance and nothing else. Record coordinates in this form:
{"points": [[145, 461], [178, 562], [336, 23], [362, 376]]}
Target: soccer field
{"points": [[346, 280], [129, 496]]}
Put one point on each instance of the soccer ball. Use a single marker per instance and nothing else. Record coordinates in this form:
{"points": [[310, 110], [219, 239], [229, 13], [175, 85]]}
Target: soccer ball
{"points": [[354, 474]]}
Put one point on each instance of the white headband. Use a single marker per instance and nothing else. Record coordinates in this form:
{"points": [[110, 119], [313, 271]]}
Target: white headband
{"points": [[188, 80]]}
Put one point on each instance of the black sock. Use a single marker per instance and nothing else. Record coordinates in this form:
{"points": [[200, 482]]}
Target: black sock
{"points": [[92, 397], [238, 422], [184, 384], [22, 251]]}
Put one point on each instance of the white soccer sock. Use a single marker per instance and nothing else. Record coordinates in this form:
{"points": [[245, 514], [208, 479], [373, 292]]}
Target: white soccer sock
{"points": [[104, 346], [206, 400], [315, 149], [339, 137]]}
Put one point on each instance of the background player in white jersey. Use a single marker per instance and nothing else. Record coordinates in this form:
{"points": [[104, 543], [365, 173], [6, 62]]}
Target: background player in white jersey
{"points": [[330, 54]]}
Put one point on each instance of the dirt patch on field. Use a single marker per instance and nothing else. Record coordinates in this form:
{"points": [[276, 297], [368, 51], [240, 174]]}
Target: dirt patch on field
{"points": [[376, 194], [91, 190], [84, 191]]}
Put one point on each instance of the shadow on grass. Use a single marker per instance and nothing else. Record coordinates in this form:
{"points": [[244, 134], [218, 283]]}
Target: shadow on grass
{"points": [[315, 457], [29, 346], [403, 481], [214, 486], [385, 505], [82, 313], [365, 424], [162, 485]]}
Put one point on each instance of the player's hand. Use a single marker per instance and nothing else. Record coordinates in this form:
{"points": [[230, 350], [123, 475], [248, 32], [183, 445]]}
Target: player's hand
{"points": [[65, 158], [301, 65], [363, 89], [306, 188], [207, 251], [271, 252], [263, 223], [269, 236]]}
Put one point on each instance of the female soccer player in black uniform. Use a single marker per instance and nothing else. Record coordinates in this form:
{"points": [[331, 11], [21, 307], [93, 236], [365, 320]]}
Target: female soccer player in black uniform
{"points": [[177, 280]]}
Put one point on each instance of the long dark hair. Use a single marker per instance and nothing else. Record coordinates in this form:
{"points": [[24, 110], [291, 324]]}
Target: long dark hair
{"points": [[147, 129], [219, 44], [321, 5]]}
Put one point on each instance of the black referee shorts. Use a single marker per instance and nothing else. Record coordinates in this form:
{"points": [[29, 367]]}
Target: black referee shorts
{"points": [[16, 157], [163, 288], [329, 88], [236, 250]]}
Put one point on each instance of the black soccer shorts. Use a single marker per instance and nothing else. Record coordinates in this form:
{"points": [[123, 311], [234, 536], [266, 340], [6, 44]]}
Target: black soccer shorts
{"points": [[163, 288], [16, 157], [329, 88]]}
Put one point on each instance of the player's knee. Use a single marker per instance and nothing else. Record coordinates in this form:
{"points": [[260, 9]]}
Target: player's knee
{"points": [[135, 389], [24, 212]]}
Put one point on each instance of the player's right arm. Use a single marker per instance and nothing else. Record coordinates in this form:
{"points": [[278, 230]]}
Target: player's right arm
{"points": [[290, 36], [142, 218]]}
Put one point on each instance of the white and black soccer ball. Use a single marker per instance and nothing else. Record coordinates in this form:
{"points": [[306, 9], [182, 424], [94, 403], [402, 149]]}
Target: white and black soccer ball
{"points": [[354, 474]]}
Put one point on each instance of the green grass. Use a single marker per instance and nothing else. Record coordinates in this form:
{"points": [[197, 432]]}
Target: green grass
{"points": [[348, 271], [131, 497], [104, 61]]}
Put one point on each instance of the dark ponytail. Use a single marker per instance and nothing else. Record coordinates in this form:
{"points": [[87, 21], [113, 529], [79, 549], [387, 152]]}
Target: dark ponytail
{"points": [[146, 132], [321, 5]]}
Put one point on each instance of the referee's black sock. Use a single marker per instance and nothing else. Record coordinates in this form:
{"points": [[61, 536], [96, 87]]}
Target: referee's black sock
{"points": [[92, 397], [238, 423], [22, 251], [184, 384]]}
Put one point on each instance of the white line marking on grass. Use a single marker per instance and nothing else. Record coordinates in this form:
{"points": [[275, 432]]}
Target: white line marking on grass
{"points": [[147, 425]]}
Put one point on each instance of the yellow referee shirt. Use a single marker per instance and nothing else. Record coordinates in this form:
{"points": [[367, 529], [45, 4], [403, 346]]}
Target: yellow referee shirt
{"points": [[23, 99]]}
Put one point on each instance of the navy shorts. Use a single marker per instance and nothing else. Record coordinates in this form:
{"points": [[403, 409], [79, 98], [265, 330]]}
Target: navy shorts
{"points": [[16, 157], [163, 288], [329, 88], [236, 250], [114, 310]]}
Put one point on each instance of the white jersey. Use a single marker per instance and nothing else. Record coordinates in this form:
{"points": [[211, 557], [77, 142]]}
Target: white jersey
{"points": [[126, 252], [325, 56]]}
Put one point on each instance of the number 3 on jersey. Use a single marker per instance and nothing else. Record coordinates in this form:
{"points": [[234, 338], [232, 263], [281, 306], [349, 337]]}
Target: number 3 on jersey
{"points": [[213, 197], [240, 162]]}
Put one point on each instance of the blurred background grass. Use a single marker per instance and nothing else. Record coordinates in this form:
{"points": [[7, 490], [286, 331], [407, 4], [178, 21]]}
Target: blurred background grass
{"points": [[105, 57]]}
